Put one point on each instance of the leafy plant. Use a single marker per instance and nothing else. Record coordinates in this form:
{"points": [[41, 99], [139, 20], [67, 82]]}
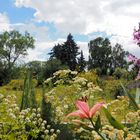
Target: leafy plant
{"points": [[28, 94]]}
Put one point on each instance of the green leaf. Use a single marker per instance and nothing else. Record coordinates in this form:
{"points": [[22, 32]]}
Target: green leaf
{"points": [[112, 120], [132, 100], [98, 123]]}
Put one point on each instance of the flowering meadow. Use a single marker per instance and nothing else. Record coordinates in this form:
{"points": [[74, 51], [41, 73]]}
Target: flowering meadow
{"points": [[73, 105]]}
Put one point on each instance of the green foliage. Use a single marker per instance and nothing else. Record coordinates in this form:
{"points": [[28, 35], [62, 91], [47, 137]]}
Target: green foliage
{"points": [[111, 128], [46, 110], [119, 108], [67, 52], [18, 84], [81, 62], [28, 95], [57, 99], [13, 45], [100, 54], [52, 66], [65, 132], [132, 100], [61, 77], [105, 57], [67, 87], [112, 88], [26, 124], [119, 57], [37, 68], [121, 73], [112, 120], [91, 76], [98, 123]]}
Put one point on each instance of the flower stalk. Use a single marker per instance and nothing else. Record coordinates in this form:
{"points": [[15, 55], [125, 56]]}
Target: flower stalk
{"points": [[98, 132]]}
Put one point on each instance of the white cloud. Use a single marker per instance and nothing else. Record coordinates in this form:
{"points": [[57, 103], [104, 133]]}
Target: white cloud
{"points": [[43, 48], [67, 16], [84, 47], [86, 16], [114, 17], [4, 22], [39, 32]]}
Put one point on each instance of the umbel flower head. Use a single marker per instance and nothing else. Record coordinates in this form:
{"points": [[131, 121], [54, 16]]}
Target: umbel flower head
{"points": [[84, 111]]}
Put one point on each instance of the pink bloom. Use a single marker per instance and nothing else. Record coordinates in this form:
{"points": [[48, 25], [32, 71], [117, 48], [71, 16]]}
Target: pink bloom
{"points": [[132, 58], [138, 62], [138, 76], [84, 111], [136, 35]]}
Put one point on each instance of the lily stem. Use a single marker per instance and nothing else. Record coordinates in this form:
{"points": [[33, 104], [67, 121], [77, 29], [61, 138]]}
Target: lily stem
{"points": [[97, 130]]}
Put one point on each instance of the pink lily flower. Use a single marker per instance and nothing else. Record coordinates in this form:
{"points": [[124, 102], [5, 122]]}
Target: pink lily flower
{"points": [[84, 111]]}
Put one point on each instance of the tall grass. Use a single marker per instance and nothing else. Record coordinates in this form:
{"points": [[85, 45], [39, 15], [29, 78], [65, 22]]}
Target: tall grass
{"points": [[28, 94]]}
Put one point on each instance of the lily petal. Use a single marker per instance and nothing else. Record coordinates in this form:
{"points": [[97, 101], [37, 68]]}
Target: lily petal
{"points": [[95, 108], [78, 113], [83, 106]]}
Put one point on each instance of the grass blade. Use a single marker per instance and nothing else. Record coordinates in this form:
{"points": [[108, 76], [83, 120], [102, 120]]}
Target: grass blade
{"points": [[112, 120], [132, 100]]}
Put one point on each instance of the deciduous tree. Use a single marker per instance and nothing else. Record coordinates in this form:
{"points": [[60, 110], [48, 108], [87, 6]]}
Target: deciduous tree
{"points": [[13, 45]]}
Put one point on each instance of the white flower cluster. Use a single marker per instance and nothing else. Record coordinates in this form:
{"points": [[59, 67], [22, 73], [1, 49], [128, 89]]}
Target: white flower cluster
{"points": [[80, 80], [62, 73], [61, 77], [133, 117], [30, 118]]}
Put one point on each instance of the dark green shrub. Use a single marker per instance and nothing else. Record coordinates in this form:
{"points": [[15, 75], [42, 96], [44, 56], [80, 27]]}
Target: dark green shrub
{"points": [[121, 73]]}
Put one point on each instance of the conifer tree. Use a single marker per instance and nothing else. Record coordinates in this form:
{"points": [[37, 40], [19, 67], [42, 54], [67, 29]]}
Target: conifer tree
{"points": [[67, 52], [81, 62]]}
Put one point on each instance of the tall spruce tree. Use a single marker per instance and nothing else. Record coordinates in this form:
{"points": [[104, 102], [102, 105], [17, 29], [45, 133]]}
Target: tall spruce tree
{"points": [[81, 62], [67, 52]]}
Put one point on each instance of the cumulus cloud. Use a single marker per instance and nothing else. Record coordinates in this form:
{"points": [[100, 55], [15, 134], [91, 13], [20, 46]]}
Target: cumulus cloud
{"points": [[86, 16], [43, 48], [116, 18], [39, 32], [4, 22], [68, 16]]}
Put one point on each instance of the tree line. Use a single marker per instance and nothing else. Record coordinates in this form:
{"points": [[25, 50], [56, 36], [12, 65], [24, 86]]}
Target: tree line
{"points": [[103, 57]]}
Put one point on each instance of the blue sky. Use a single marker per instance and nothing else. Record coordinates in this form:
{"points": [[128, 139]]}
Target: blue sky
{"points": [[16, 15], [50, 21]]}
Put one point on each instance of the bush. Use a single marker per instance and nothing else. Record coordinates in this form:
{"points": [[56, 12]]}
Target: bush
{"points": [[17, 84], [91, 76], [26, 124], [66, 87], [121, 73], [112, 88]]}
